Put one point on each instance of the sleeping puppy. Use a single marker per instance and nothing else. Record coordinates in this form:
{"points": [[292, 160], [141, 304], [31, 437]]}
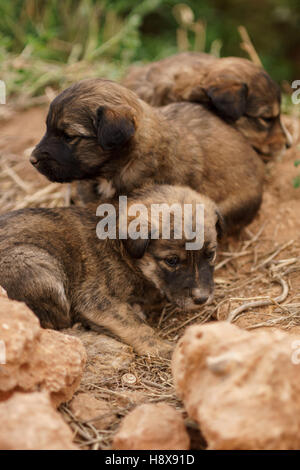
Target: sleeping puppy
{"points": [[238, 90], [101, 134], [52, 260]]}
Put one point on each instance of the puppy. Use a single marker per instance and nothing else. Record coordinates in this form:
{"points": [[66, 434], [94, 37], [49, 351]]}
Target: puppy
{"points": [[101, 134], [238, 90], [52, 260]]}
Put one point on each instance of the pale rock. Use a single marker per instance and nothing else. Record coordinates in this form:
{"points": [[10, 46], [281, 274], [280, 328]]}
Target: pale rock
{"points": [[29, 422], [37, 359], [242, 388], [19, 333], [152, 427]]}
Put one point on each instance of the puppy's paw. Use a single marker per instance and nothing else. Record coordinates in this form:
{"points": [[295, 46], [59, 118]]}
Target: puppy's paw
{"points": [[157, 348]]}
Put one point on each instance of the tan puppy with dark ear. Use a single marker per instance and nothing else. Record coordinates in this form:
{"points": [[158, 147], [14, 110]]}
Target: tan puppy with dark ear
{"points": [[52, 260], [238, 90], [101, 134]]}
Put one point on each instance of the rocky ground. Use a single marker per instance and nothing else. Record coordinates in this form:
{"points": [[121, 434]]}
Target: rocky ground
{"points": [[257, 287]]}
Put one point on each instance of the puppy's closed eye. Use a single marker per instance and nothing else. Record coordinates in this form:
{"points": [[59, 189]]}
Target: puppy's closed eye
{"points": [[265, 122], [69, 138], [211, 255]]}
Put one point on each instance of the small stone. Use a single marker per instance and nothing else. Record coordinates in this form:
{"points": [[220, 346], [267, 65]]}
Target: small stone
{"points": [[129, 379], [152, 427]]}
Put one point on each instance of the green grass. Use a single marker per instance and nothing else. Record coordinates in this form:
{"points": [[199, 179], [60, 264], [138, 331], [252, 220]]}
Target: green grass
{"points": [[297, 179], [52, 43]]}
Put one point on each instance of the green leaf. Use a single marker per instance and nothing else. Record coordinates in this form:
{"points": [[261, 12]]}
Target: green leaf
{"points": [[296, 182]]}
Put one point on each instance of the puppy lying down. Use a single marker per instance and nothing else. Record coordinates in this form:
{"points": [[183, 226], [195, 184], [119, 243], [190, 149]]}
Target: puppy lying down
{"points": [[52, 260]]}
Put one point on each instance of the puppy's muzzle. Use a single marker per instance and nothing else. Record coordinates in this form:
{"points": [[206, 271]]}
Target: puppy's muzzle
{"points": [[199, 297]]}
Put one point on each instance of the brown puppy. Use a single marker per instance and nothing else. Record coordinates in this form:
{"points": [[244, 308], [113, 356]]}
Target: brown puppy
{"points": [[53, 260], [101, 133], [238, 90]]}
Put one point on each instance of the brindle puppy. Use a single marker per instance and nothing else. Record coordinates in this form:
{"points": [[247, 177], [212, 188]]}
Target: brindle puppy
{"points": [[102, 134], [53, 261], [238, 90]]}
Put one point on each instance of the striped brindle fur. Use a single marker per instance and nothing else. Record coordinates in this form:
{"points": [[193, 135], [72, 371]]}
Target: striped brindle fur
{"points": [[52, 260]]}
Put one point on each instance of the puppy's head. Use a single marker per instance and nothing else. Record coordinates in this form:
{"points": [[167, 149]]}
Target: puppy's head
{"points": [[183, 276], [89, 125], [246, 96]]}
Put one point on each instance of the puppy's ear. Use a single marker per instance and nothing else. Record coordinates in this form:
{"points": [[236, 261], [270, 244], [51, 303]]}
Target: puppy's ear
{"points": [[229, 97], [114, 127], [220, 224], [136, 248]]}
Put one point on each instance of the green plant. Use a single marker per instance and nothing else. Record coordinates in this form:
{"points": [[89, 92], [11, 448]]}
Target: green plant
{"points": [[297, 179], [50, 43]]}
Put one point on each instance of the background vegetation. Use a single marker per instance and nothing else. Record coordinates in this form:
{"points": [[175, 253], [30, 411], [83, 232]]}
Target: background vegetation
{"points": [[47, 44]]}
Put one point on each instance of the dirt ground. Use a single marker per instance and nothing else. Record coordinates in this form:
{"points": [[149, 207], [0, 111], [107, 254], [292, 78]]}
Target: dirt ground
{"points": [[257, 272]]}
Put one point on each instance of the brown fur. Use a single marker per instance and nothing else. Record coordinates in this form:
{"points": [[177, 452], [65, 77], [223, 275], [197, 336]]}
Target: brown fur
{"points": [[52, 260], [238, 90], [102, 134]]}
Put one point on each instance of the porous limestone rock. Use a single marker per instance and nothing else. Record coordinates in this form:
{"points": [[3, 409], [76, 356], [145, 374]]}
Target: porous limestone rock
{"points": [[29, 422], [37, 359], [243, 388]]}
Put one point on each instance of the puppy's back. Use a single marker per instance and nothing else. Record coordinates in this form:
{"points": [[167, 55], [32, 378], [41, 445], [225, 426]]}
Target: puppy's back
{"points": [[153, 82], [41, 256], [232, 172]]}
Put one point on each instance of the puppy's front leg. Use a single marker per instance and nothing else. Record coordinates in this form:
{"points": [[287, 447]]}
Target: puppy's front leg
{"points": [[123, 321]]}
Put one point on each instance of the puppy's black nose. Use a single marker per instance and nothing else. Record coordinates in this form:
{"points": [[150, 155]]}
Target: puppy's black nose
{"points": [[36, 157], [200, 300], [33, 160], [199, 297]]}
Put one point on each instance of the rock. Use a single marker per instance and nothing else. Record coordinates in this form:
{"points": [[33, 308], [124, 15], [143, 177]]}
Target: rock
{"points": [[29, 422], [85, 407], [19, 332], [243, 389], [37, 359], [57, 365], [152, 427]]}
